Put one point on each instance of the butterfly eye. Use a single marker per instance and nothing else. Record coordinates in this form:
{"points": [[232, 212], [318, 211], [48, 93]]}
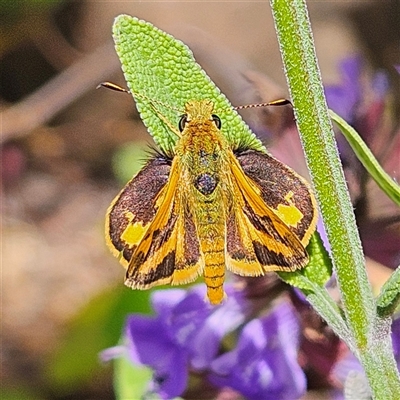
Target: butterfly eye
{"points": [[217, 121], [182, 122]]}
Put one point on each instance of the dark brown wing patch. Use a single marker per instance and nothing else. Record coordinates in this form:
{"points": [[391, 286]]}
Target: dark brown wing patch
{"points": [[136, 205]]}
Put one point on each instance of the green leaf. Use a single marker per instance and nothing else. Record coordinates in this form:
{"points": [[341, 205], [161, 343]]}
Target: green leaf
{"points": [[98, 326], [389, 297], [318, 270], [371, 164], [163, 76]]}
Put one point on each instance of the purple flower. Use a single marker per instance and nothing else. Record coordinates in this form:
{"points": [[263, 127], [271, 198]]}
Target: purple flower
{"points": [[150, 344], [264, 363], [184, 335], [345, 97], [350, 98]]}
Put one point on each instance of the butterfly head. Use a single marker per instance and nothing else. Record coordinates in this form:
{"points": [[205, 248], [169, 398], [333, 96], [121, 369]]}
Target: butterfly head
{"points": [[199, 112]]}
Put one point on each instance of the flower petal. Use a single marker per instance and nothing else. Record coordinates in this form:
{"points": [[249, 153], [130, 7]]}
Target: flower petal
{"points": [[264, 363], [149, 343]]}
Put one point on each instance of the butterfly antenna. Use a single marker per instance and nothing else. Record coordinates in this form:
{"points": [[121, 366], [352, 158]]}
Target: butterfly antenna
{"points": [[279, 102], [152, 103], [117, 88], [112, 86]]}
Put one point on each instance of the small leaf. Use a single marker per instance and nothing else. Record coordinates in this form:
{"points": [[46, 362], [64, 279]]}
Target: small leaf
{"points": [[371, 164], [356, 387], [130, 382], [389, 297]]}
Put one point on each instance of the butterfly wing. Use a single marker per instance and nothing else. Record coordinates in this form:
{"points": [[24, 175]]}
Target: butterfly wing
{"points": [[168, 252], [263, 227], [134, 208], [283, 190]]}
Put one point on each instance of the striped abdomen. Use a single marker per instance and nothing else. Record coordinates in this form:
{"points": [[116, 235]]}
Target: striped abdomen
{"points": [[211, 234]]}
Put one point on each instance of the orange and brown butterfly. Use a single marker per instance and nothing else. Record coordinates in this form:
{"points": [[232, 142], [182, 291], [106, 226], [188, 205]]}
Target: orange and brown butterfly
{"points": [[204, 207]]}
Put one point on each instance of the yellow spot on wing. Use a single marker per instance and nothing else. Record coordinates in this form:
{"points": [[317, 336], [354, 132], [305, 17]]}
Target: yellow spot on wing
{"points": [[133, 233], [290, 215]]}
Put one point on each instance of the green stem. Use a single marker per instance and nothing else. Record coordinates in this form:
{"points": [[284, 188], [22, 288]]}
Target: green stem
{"points": [[379, 362], [298, 53]]}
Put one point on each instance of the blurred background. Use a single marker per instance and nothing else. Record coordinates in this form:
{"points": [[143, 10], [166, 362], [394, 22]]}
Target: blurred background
{"points": [[67, 149]]}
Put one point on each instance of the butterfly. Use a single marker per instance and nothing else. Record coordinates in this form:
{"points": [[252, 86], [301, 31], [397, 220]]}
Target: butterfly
{"points": [[206, 206]]}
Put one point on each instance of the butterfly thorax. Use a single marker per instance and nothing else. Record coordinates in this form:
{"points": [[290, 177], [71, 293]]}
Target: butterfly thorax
{"points": [[202, 152]]}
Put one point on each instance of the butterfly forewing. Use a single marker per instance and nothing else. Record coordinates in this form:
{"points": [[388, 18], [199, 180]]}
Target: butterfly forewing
{"points": [[169, 250], [258, 237], [282, 190], [135, 207]]}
